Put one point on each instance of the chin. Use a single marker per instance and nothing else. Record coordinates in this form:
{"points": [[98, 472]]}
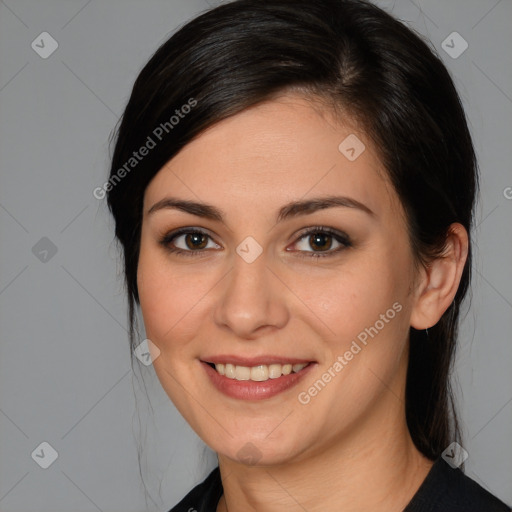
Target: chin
{"points": [[253, 451]]}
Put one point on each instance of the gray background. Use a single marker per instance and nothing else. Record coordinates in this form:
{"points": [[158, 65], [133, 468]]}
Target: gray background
{"points": [[65, 373]]}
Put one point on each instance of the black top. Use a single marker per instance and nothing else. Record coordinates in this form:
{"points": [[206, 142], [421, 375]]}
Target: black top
{"points": [[443, 490]]}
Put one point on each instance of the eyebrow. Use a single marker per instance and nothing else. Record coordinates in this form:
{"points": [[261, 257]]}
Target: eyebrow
{"points": [[288, 211]]}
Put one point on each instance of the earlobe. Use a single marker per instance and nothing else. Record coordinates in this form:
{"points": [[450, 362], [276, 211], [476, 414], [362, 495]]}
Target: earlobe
{"points": [[440, 280]]}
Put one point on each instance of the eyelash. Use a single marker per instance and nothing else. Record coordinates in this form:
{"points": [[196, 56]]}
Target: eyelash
{"points": [[340, 237]]}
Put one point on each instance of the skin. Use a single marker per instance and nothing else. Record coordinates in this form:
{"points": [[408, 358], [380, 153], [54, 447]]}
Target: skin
{"points": [[321, 455]]}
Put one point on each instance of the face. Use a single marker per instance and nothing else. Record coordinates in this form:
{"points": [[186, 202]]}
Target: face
{"points": [[273, 244]]}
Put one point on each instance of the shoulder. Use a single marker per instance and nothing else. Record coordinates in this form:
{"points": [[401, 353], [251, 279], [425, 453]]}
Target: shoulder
{"points": [[203, 497], [447, 489]]}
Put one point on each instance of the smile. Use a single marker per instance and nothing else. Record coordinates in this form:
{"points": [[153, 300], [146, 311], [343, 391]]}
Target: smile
{"points": [[255, 378], [258, 373]]}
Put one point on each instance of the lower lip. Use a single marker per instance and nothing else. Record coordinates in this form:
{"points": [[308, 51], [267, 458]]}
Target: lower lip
{"points": [[252, 390]]}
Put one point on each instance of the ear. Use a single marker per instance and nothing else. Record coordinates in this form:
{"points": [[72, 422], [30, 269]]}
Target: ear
{"points": [[439, 281]]}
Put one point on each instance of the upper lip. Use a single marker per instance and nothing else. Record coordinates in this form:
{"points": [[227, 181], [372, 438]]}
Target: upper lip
{"points": [[254, 361]]}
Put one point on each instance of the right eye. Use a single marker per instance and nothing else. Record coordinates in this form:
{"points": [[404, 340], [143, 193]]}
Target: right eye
{"points": [[188, 240]]}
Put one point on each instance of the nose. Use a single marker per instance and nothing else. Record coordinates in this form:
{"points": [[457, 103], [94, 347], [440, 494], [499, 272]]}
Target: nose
{"points": [[252, 301]]}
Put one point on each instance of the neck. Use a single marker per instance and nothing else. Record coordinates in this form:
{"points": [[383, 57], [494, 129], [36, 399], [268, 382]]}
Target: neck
{"points": [[327, 483]]}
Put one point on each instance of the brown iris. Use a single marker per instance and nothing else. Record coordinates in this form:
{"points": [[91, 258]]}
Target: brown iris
{"points": [[196, 240], [320, 241]]}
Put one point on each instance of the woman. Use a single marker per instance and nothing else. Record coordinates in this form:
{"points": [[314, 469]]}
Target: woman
{"points": [[293, 186]]}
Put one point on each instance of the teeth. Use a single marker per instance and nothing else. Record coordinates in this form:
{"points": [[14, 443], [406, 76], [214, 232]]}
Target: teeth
{"points": [[242, 373], [275, 371], [229, 370], [258, 373]]}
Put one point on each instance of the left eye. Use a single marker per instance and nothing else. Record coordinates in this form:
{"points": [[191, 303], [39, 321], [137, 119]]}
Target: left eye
{"points": [[321, 241]]}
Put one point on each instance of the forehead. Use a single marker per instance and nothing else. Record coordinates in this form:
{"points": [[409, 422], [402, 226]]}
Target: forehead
{"points": [[280, 150]]}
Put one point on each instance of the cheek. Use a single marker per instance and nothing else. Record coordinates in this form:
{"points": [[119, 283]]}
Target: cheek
{"points": [[362, 302], [367, 332], [170, 301], [350, 296]]}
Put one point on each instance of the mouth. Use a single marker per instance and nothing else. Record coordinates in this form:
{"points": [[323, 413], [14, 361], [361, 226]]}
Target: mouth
{"points": [[255, 379], [258, 373]]}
